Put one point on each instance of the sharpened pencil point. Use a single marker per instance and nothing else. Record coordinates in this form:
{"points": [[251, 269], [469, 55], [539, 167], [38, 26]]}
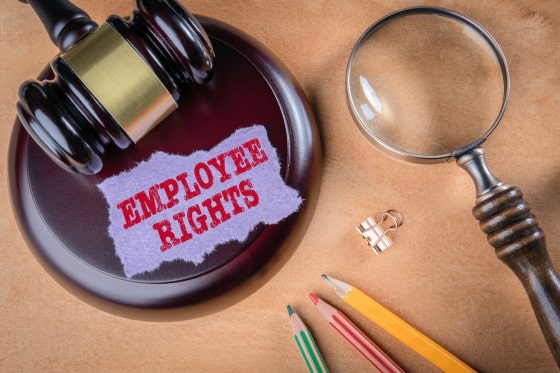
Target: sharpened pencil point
{"points": [[314, 298], [340, 288], [290, 310]]}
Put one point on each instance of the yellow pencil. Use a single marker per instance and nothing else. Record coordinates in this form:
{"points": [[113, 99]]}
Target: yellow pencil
{"points": [[397, 327]]}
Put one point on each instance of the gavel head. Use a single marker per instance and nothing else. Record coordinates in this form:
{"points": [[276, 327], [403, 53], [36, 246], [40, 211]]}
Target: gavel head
{"points": [[112, 83]]}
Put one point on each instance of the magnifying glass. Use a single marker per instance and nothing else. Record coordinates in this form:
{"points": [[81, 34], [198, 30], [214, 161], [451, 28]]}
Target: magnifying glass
{"points": [[428, 84]]}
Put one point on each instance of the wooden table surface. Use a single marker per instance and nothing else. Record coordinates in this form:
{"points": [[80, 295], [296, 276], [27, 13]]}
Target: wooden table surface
{"points": [[441, 275]]}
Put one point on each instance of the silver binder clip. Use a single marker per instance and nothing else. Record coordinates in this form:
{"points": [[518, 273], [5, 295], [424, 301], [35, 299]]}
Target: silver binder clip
{"points": [[375, 233]]}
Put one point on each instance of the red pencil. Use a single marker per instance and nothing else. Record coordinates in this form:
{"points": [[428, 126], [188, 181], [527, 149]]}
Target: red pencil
{"points": [[355, 337]]}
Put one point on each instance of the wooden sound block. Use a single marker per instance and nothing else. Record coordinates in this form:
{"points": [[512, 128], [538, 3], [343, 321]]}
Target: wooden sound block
{"points": [[64, 216]]}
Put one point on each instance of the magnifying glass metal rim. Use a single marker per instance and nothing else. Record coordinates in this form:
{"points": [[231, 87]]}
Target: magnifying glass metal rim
{"points": [[443, 12]]}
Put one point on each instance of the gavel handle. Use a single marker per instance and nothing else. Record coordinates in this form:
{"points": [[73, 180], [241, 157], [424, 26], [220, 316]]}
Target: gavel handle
{"points": [[64, 22], [519, 242]]}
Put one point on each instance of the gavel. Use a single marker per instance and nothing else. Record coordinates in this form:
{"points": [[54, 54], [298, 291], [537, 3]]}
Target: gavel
{"points": [[112, 84]]}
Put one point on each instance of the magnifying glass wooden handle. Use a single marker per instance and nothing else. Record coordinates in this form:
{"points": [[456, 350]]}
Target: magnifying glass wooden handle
{"points": [[513, 231]]}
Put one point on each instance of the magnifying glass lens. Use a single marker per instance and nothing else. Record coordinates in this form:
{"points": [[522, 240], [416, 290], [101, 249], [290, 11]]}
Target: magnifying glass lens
{"points": [[425, 84]]}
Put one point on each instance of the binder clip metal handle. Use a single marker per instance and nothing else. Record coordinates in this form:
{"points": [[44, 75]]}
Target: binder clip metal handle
{"points": [[375, 233]]}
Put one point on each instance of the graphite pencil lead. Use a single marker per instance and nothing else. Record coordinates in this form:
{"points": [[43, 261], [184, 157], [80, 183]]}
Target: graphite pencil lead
{"points": [[340, 288]]}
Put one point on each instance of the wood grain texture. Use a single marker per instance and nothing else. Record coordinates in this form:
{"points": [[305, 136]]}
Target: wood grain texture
{"points": [[513, 231], [441, 275]]}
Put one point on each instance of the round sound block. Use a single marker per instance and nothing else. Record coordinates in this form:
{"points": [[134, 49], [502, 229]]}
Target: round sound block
{"points": [[64, 216]]}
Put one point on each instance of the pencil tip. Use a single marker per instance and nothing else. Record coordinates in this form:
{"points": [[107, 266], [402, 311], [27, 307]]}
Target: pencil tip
{"points": [[290, 310], [327, 279], [340, 288], [314, 298]]}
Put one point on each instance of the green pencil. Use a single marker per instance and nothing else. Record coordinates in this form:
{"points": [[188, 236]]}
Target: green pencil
{"points": [[306, 344]]}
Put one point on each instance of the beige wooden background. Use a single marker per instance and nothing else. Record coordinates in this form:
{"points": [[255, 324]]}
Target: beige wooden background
{"points": [[441, 275]]}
